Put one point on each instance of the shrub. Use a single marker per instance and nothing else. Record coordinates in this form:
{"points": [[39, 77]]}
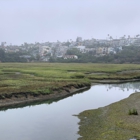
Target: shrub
{"points": [[45, 91], [133, 112], [78, 75]]}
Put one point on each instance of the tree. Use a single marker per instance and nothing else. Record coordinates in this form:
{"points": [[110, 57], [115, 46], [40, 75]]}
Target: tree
{"points": [[73, 51], [2, 55]]}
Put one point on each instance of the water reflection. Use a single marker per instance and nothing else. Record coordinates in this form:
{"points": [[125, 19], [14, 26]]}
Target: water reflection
{"points": [[125, 86], [34, 103], [132, 86], [54, 119], [135, 138]]}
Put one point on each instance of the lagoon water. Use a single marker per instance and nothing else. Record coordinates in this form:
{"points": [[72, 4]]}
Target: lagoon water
{"points": [[55, 121]]}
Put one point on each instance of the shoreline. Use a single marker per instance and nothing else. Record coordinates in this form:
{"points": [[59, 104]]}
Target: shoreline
{"points": [[111, 122], [28, 98], [115, 81], [101, 119]]}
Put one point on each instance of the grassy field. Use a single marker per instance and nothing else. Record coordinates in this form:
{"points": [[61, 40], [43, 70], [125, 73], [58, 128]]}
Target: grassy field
{"points": [[45, 77]]}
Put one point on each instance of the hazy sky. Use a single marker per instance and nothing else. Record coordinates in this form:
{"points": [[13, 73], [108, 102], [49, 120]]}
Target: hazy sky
{"points": [[51, 20]]}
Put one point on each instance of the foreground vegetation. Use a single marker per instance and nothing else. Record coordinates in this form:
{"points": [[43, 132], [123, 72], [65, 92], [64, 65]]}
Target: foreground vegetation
{"points": [[112, 122], [44, 78]]}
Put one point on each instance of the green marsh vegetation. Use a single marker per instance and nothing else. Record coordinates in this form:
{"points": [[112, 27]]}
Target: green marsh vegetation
{"points": [[46, 77], [109, 123], [133, 111], [112, 122]]}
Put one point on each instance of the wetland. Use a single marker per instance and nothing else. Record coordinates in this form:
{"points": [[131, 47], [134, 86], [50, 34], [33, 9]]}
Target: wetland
{"points": [[39, 101], [57, 119]]}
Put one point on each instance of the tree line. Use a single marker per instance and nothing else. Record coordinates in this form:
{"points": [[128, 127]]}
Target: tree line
{"points": [[11, 57], [129, 54]]}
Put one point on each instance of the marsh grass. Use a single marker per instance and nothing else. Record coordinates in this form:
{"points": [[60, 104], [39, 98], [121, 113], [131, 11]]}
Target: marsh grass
{"points": [[112, 122], [133, 112], [19, 77]]}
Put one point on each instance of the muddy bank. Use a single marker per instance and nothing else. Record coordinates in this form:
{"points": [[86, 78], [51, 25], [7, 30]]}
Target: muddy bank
{"points": [[7, 100], [112, 122]]}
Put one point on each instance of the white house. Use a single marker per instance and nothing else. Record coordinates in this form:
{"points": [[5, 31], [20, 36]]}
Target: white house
{"points": [[70, 57], [111, 50], [43, 50], [81, 49]]}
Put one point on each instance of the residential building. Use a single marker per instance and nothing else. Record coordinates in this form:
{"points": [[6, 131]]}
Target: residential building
{"points": [[70, 57]]}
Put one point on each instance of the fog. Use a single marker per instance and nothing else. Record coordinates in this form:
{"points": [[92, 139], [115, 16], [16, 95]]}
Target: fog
{"points": [[51, 20]]}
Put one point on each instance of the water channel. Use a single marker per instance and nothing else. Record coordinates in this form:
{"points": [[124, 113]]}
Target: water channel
{"points": [[55, 121]]}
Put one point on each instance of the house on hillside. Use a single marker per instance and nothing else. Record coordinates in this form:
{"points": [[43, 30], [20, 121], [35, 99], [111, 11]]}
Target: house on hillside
{"points": [[99, 50], [61, 51], [124, 41], [70, 57], [111, 50], [81, 49], [103, 41], [44, 50], [116, 42], [137, 42], [90, 50]]}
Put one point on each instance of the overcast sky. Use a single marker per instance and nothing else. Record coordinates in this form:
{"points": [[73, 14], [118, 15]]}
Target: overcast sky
{"points": [[51, 20]]}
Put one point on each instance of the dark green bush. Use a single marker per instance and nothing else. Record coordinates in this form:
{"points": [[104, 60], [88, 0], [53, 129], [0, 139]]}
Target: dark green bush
{"points": [[133, 112]]}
